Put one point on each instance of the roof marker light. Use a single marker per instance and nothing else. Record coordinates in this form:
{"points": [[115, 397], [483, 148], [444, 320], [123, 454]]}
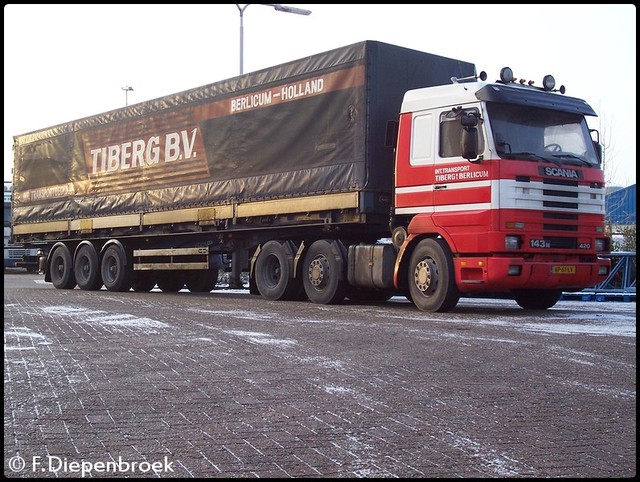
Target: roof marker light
{"points": [[506, 75], [548, 82]]}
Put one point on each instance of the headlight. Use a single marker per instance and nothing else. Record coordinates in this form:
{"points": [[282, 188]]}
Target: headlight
{"points": [[512, 242]]}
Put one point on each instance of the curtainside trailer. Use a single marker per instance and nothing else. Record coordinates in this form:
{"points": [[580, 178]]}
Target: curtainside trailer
{"points": [[362, 172]]}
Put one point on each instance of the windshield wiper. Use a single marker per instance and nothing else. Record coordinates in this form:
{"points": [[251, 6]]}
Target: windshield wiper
{"points": [[531, 156], [573, 157]]}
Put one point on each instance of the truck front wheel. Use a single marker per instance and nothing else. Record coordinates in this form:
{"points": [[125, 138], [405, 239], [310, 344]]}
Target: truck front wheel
{"points": [[431, 277], [536, 299], [323, 275], [61, 268]]}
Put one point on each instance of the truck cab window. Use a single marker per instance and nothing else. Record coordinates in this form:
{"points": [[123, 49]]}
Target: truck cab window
{"points": [[451, 133]]}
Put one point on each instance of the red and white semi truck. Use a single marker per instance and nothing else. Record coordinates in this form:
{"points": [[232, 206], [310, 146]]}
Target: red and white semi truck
{"points": [[359, 173]]}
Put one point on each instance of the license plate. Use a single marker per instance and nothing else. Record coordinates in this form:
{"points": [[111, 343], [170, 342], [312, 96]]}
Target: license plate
{"points": [[563, 269]]}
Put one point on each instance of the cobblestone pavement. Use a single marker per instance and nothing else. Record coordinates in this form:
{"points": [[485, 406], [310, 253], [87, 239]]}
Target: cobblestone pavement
{"points": [[227, 384]]}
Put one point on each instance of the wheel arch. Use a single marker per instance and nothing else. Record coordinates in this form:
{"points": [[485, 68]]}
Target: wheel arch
{"points": [[421, 226], [294, 252], [85, 242], [401, 270], [119, 243]]}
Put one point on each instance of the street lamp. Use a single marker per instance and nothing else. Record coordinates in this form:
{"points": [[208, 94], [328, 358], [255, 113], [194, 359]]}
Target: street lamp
{"points": [[126, 89], [278, 8]]}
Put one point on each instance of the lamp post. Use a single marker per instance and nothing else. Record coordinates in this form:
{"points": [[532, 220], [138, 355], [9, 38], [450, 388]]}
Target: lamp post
{"points": [[126, 89], [277, 7]]}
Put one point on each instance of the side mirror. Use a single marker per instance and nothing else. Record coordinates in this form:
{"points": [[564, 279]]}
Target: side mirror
{"points": [[598, 148], [469, 119], [469, 143]]}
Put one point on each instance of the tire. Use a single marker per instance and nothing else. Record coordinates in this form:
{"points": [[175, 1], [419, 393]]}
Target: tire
{"points": [[369, 295], [171, 281], [201, 281], [61, 268], [272, 270], [86, 268], [143, 281], [116, 269], [431, 277], [324, 272], [398, 237], [536, 299]]}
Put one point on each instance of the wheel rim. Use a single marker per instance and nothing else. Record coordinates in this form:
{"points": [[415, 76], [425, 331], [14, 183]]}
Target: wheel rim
{"points": [[425, 276], [319, 272], [273, 272], [112, 269], [59, 266], [85, 268]]}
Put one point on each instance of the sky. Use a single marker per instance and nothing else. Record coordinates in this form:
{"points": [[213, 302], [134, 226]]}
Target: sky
{"points": [[66, 62]]}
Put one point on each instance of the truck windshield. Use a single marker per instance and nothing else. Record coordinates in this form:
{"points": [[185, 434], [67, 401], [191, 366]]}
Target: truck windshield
{"points": [[522, 132]]}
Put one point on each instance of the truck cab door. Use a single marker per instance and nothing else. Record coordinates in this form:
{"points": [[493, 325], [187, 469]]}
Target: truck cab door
{"points": [[461, 180], [414, 163]]}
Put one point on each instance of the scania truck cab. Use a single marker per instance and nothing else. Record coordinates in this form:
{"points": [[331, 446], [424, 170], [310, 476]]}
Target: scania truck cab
{"points": [[499, 187]]}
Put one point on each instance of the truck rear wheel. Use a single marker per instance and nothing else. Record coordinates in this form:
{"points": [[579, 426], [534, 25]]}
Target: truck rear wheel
{"points": [[323, 273], [368, 295], [143, 281], [117, 272], [170, 281], [536, 299], [431, 277], [86, 268], [273, 267], [201, 281], [61, 268]]}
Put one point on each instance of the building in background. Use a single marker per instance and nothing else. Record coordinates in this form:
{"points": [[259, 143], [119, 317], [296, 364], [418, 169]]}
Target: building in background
{"points": [[621, 206], [15, 256]]}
